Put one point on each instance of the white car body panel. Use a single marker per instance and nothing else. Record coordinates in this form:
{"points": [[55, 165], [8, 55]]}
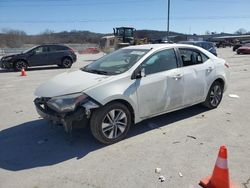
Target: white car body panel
{"points": [[149, 96], [67, 83]]}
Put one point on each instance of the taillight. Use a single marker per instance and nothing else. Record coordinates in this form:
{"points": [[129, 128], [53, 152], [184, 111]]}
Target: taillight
{"points": [[226, 65], [72, 50]]}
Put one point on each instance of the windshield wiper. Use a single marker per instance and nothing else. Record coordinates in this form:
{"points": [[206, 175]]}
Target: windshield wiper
{"points": [[95, 71]]}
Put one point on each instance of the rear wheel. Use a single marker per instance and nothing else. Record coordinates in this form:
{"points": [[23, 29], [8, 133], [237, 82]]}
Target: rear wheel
{"points": [[111, 123], [19, 65], [214, 95], [66, 63]]}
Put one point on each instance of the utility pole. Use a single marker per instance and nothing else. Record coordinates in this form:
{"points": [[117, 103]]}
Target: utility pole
{"points": [[168, 19]]}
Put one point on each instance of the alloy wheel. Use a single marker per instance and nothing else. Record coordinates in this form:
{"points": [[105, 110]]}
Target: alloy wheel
{"points": [[215, 95], [20, 65], [67, 63], [114, 123]]}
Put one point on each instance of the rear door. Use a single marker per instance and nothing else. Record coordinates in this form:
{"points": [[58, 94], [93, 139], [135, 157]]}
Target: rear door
{"points": [[198, 72], [55, 54]]}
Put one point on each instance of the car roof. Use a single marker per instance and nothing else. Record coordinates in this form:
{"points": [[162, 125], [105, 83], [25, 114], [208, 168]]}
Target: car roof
{"points": [[194, 42], [155, 47], [159, 46]]}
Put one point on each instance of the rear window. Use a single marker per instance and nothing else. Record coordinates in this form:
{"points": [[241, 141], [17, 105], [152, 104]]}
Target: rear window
{"points": [[55, 48]]}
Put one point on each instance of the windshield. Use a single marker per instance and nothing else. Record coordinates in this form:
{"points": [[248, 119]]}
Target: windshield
{"points": [[25, 51], [116, 62]]}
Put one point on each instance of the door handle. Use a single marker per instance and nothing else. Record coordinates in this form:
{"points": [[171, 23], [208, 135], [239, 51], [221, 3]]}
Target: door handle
{"points": [[209, 69], [177, 76]]}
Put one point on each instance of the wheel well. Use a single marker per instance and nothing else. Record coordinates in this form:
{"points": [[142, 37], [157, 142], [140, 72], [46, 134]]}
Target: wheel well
{"points": [[221, 81], [21, 60], [67, 57], [128, 105]]}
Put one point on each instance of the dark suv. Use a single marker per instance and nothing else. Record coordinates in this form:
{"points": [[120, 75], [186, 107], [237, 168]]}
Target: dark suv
{"points": [[60, 55], [209, 46]]}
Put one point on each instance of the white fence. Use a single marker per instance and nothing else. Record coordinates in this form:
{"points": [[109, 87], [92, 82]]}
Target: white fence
{"points": [[4, 51]]}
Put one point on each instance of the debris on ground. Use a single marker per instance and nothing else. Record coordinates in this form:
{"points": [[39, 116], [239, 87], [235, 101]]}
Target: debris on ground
{"points": [[162, 179], [18, 111], [180, 174], [228, 113], [176, 142], [158, 170], [191, 136], [42, 141], [202, 116], [233, 96], [228, 120]]}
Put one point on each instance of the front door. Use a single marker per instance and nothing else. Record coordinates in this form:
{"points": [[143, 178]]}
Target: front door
{"points": [[39, 56], [162, 87]]}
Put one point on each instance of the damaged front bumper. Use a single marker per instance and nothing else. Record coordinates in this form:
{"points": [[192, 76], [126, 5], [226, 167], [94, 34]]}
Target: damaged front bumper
{"points": [[79, 117], [6, 64]]}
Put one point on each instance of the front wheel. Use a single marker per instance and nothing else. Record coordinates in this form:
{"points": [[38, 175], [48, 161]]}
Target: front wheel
{"points": [[19, 65], [110, 123], [214, 95]]}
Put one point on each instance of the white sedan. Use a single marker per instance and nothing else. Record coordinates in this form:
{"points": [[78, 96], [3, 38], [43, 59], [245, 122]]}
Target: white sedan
{"points": [[130, 85]]}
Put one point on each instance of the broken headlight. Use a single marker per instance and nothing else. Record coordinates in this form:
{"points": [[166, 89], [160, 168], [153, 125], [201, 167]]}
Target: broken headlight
{"points": [[66, 103]]}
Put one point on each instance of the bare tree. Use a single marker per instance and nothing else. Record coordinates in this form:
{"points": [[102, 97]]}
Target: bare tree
{"points": [[207, 32], [241, 31], [13, 38]]}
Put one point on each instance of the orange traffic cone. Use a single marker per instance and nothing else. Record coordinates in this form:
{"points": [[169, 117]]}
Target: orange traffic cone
{"points": [[23, 72], [220, 176]]}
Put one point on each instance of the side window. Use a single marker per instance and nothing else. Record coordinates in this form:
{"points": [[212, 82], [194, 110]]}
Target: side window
{"points": [[39, 50], [161, 61], [204, 57], [191, 57], [53, 48], [61, 48]]}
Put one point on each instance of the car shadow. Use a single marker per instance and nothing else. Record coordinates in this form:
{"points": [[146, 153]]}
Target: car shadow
{"points": [[38, 143], [43, 68], [166, 119], [32, 69]]}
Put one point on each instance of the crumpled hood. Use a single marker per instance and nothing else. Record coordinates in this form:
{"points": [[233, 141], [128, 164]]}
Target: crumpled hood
{"points": [[10, 55], [67, 83]]}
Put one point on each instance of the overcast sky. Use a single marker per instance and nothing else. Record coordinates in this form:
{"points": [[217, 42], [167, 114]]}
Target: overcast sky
{"points": [[186, 16]]}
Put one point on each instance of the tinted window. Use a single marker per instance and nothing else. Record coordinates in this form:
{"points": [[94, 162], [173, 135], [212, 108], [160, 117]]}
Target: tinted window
{"points": [[40, 49], [161, 61], [61, 48], [55, 48], [191, 57]]}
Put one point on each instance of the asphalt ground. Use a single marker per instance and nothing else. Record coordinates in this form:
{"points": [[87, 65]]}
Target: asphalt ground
{"points": [[184, 144]]}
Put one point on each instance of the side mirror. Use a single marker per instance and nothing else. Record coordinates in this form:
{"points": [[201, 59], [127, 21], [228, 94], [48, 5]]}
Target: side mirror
{"points": [[143, 73], [138, 73]]}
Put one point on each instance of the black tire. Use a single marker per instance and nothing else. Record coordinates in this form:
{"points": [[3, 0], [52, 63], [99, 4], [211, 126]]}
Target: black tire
{"points": [[101, 127], [214, 95], [66, 62], [18, 65]]}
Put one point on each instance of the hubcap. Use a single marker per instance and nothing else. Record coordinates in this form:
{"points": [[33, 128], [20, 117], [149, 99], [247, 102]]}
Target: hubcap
{"points": [[215, 95], [20, 65], [114, 123], [66, 62]]}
